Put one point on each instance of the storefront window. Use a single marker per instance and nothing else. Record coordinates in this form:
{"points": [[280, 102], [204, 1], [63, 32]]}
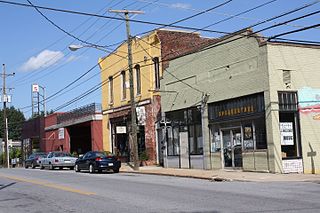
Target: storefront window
{"points": [[248, 142], [195, 138], [215, 139], [260, 134], [173, 141]]}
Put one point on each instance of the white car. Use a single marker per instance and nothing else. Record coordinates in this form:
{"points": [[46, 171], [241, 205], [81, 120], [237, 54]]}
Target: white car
{"points": [[58, 160]]}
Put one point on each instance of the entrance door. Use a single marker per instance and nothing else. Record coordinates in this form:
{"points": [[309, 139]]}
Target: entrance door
{"points": [[232, 148]]}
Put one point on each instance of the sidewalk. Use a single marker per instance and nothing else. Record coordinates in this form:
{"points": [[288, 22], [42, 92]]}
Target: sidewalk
{"points": [[222, 175]]}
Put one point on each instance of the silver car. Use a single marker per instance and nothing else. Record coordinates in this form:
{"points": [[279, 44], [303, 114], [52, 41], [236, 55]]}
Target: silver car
{"points": [[58, 160]]}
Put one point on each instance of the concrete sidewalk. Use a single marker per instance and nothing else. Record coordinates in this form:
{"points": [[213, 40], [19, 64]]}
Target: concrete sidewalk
{"points": [[222, 175]]}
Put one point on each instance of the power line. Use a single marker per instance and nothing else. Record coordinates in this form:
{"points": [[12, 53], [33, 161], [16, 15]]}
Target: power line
{"points": [[108, 17], [294, 31]]}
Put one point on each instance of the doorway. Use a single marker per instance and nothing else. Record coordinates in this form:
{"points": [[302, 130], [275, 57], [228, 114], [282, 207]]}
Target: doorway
{"points": [[232, 148]]}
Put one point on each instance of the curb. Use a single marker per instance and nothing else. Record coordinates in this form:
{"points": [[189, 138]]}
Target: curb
{"points": [[213, 179]]}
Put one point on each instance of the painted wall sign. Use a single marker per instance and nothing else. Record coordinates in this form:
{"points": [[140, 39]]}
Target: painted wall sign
{"points": [[237, 107], [309, 100], [286, 132]]}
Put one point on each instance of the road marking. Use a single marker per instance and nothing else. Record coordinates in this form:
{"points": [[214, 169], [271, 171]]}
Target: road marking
{"points": [[50, 185]]}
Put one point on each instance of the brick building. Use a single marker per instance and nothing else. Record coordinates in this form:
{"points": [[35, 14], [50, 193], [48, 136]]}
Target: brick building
{"points": [[76, 131], [151, 56]]}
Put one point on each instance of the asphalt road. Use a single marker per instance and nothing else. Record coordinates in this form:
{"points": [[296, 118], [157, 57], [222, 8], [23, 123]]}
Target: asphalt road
{"points": [[33, 190]]}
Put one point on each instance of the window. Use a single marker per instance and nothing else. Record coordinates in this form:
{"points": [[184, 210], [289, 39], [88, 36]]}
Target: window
{"points": [[123, 85], [286, 75], [195, 138], [156, 73], [173, 141], [138, 79], [110, 90], [288, 101]]}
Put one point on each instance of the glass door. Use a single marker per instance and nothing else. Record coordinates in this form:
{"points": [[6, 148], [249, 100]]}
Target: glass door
{"points": [[232, 148]]}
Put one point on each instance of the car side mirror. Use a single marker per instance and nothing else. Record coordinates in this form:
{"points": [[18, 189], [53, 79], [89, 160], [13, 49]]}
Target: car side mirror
{"points": [[80, 156]]}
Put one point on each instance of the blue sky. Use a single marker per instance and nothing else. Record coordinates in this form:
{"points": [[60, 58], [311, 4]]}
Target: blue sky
{"points": [[37, 51]]}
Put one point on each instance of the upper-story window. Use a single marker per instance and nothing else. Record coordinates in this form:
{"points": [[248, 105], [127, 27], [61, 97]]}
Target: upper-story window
{"points": [[123, 85], [156, 72], [110, 90], [138, 79]]}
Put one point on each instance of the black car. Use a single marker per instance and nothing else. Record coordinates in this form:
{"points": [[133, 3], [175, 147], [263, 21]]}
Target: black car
{"points": [[34, 160], [97, 161]]}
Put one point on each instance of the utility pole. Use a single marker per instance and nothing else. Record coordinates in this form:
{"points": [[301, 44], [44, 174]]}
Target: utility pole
{"points": [[134, 144], [5, 99]]}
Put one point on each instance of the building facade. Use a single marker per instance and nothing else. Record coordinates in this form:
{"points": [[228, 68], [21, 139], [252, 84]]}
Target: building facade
{"points": [[76, 131], [151, 55], [256, 105]]}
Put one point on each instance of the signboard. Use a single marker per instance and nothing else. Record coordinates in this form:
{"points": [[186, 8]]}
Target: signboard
{"points": [[141, 115], [61, 133], [286, 133], [292, 166], [35, 88], [121, 129]]}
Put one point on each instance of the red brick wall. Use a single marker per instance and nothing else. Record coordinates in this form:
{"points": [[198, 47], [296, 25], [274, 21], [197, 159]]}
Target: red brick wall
{"points": [[175, 43], [96, 135], [152, 114], [52, 143]]}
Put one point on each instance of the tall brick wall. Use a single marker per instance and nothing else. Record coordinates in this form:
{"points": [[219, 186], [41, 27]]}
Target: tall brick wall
{"points": [[176, 43]]}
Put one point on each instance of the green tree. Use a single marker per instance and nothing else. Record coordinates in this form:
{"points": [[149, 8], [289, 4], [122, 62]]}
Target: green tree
{"points": [[15, 122]]}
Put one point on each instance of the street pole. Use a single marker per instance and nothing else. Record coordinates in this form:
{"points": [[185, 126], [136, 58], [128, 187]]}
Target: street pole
{"points": [[134, 144], [5, 127]]}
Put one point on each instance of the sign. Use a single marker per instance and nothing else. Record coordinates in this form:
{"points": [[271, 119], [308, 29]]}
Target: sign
{"points": [[286, 133], [35, 88], [292, 166], [121, 129], [141, 115], [236, 107], [6, 98], [61, 133]]}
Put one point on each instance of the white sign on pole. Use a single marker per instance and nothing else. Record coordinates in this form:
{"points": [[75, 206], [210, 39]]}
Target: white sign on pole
{"points": [[35, 88], [286, 133]]}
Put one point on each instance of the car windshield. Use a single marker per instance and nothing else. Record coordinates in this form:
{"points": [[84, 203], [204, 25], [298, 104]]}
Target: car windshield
{"points": [[62, 154], [41, 155]]}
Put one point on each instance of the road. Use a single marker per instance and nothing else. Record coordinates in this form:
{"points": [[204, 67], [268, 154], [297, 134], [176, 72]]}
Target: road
{"points": [[37, 191]]}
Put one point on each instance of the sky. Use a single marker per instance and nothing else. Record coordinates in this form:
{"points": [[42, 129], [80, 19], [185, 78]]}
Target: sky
{"points": [[35, 48]]}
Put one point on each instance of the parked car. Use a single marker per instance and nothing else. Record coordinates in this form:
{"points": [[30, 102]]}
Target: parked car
{"points": [[34, 160], [58, 160], [97, 161]]}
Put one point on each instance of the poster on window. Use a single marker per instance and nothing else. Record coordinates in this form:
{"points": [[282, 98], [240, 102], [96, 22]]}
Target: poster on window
{"points": [[141, 115], [286, 133]]}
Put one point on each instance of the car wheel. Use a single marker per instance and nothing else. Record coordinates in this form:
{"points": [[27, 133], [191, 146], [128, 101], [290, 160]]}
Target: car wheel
{"points": [[51, 167], [76, 168], [116, 170], [91, 169], [41, 166], [71, 167], [26, 166], [33, 166]]}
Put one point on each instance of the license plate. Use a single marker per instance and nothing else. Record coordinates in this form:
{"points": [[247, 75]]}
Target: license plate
{"points": [[110, 164], [67, 161]]}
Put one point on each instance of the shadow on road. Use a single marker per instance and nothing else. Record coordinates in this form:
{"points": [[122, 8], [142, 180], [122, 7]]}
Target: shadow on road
{"points": [[5, 186]]}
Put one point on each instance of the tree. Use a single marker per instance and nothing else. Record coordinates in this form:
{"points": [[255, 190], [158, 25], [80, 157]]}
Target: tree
{"points": [[15, 122]]}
